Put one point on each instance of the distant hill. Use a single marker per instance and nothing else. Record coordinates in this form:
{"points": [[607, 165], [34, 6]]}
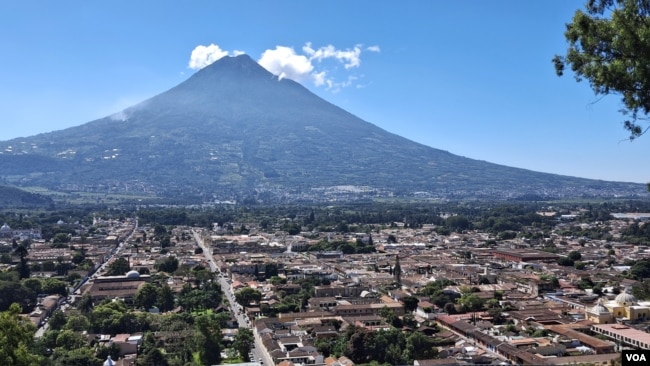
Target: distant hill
{"points": [[235, 131], [11, 197]]}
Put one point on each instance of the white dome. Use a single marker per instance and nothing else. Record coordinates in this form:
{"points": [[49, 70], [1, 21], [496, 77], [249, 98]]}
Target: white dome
{"points": [[625, 299], [109, 361], [133, 274], [598, 308]]}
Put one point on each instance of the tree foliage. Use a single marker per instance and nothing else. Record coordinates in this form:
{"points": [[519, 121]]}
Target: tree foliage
{"points": [[243, 342], [16, 337], [247, 295], [76, 357], [641, 269], [147, 296], [208, 338], [609, 47], [119, 267], [167, 264], [15, 292]]}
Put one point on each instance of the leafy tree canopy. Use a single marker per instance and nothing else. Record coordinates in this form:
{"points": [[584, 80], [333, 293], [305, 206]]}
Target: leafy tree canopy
{"points": [[118, 267], [608, 46], [17, 337]]}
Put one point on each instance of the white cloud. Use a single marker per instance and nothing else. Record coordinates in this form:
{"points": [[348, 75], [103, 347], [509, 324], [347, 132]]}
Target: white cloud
{"points": [[319, 78], [286, 63], [314, 65], [318, 66], [350, 57], [203, 56]]}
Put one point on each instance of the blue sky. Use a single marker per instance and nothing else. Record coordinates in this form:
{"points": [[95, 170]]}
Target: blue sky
{"points": [[474, 78]]}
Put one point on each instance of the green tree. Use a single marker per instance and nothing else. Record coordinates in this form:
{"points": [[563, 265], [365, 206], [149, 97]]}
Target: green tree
{"points": [[83, 356], [277, 280], [147, 296], [390, 317], [410, 303], [470, 302], [642, 290], [154, 357], [118, 267], [159, 231], [112, 350], [168, 264], [106, 317], [69, 340], [5, 258], [165, 299], [208, 339], [574, 255], [397, 271], [85, 305], [420, 347], [23, 267], [565, 261], [247, 295], [457, 223], [580, 265], [54, 286], [608, 46], [78, 323], [61, 238], [16, 338], [33, 284], [48, 266], [641, 269], [57, 320], [243, 342], [15, 292]]}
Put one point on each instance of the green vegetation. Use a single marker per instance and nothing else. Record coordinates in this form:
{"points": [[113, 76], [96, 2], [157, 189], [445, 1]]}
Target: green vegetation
{"points": [[192, 334], [608, 48]]}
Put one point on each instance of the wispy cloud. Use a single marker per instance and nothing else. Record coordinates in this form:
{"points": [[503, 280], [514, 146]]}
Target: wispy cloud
{"points": [[349, 58], [318, 66]]}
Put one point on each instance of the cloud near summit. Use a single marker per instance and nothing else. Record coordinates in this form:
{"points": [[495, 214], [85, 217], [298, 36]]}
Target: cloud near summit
{"points": [[317, 66]]}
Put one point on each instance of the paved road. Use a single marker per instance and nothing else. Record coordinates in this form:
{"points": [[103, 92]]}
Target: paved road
{"points": [[259, 352]]}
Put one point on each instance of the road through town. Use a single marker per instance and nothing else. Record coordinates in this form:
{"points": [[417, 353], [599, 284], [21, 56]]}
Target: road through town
{"points": [[258, 351]]}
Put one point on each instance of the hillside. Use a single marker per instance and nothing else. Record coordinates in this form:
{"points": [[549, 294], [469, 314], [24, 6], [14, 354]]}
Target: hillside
{"points": [[11, 197], [234, 131]]}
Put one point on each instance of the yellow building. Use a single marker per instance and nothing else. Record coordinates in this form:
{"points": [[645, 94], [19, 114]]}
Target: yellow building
{"points": [[625, 307], [599, 314]]}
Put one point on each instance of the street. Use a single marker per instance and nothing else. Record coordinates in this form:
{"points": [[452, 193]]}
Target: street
{"points": [[258, 350]]}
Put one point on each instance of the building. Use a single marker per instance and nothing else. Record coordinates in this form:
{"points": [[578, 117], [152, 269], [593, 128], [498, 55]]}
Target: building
{"points": [[122, 287], [623, 335], [7, 232], [527, 255], [599, 314], [624, 307]]}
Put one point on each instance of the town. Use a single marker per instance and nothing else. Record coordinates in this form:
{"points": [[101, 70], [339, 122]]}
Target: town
{"points": [[507, 284]]}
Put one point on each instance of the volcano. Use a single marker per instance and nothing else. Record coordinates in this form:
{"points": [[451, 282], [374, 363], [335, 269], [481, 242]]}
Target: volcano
{"points": [[234, 131]]}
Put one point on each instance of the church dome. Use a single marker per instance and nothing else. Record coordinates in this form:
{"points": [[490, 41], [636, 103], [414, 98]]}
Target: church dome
{"points": [[625, 299], [598, 308], [109, 361], [133, 274], [5, 227]]}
